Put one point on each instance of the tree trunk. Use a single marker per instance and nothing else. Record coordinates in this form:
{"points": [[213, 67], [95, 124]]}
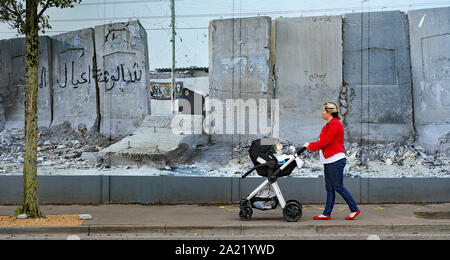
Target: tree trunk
{"points": [[30, 204]]}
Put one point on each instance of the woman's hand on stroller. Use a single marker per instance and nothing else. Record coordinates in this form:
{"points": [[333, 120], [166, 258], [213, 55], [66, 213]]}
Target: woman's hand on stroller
{"points": [[301, 150]]}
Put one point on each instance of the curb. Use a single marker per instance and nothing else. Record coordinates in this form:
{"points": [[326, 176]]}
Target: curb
{"points": [[233, 230]]}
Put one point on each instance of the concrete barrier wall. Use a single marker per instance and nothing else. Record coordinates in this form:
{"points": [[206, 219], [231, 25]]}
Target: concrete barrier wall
{"points": [[45, 88], [93, 78], [2, 89], [309, 73], [12, 83], [429, 32], [377, 77], [74, 82], [365, 65], [123, 59], [240, 68], [214, 190]]}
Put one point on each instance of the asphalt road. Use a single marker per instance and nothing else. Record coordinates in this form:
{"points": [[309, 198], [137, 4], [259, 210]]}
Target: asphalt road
{"points": [[128, 236]]}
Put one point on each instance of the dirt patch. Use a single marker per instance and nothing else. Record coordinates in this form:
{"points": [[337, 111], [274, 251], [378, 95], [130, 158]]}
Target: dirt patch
{"points": [[49, 220]]}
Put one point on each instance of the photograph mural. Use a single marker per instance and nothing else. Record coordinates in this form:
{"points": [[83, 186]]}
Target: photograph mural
{"points": [[104, 106], [205, 120], [163, 90]]}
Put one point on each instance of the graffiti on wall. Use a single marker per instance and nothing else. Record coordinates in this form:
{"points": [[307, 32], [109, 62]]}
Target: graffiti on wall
{"points": [[121, 75], [43, 77]]}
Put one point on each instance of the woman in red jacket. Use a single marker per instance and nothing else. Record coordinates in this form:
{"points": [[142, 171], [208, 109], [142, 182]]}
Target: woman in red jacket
{"points": [[332, 155]]}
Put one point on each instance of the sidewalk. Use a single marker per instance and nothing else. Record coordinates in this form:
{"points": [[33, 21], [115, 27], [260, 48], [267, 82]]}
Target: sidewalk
{"points": [[224, 220]]}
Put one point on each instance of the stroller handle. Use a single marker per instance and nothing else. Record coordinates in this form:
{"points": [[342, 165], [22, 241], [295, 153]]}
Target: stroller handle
{"points": [[300, 150]]}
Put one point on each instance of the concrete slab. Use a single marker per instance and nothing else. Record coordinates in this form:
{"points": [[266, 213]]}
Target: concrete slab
{"points": [[12, 85], [158, 121], [4, 89], [179, 124], [159, 141], [160, 107], [237, 118], [308, 72], [122, 57], [240, 55], [74, 79], [430, 59], [377, 77], [45, 86], [240, 65]]}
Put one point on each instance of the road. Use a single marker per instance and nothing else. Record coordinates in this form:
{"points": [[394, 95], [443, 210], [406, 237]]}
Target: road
{"points": [[129, 236]]}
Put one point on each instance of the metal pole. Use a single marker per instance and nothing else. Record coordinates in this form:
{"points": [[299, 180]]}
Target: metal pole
{"points": [[172, 7]]}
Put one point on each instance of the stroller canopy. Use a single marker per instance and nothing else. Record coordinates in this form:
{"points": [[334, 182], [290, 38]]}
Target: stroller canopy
{"points": [[264, 149]]}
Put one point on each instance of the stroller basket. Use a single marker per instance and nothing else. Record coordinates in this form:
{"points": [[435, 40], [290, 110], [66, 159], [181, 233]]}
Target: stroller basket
{"points": [[265, 199]]}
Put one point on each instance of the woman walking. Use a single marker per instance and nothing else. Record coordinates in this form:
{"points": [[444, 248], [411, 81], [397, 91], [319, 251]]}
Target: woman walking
{"points": [[332, 155]]}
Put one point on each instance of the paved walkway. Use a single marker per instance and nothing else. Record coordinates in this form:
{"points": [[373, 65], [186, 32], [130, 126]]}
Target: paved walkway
{"points": [[224, 220]]}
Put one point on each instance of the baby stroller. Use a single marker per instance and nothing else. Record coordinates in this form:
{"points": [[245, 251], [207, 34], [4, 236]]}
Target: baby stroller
{"points": [[270, 165]]}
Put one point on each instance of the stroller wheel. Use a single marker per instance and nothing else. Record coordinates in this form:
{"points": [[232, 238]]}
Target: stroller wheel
{"points": [[246, 213], [292, 212]]}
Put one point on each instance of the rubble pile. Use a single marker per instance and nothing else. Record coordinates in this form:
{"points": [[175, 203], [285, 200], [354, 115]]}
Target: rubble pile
{"points": [[387, 160], [394, 154], [396, 160], [368, 160], [59, 147]]}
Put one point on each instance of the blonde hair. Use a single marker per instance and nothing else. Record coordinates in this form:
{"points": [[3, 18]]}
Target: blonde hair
{"points": [[333, 109]]}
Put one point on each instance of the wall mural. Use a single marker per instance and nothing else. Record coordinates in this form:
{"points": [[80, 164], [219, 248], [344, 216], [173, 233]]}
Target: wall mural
{"points": [[163, 90]]}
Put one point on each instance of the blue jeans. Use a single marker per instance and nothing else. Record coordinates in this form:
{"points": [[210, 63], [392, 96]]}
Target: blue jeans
{"points": [[334, 181]]}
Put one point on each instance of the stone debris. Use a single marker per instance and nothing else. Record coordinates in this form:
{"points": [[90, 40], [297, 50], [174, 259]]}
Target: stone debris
{"points": [[22, 216], [62, 148], [85, 217], [387, 160], [369, 160]]}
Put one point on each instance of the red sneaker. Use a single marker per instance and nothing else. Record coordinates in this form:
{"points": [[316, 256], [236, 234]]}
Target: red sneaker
{"points": [[356, 214], [322, 218]]}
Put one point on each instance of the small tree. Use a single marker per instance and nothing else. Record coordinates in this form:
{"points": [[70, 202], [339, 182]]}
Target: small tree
{"points": [[28, 17]]}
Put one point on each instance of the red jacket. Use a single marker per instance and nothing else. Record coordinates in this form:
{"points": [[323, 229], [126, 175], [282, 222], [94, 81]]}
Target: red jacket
{"points": [[331, 139]]}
